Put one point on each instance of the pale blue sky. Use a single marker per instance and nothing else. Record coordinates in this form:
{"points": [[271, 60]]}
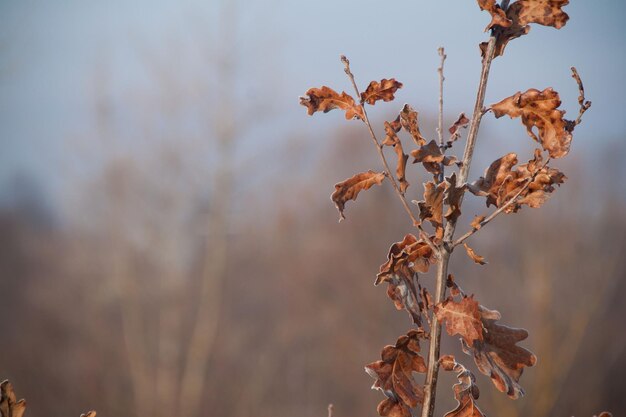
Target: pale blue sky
{"points": [[49, 52]]}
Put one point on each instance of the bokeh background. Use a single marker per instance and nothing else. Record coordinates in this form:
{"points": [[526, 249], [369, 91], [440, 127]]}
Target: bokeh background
{"points": [[167, 244]]}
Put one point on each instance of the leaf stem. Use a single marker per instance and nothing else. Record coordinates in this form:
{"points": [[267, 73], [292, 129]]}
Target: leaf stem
{"points": [[388, 172], [432, 373]]}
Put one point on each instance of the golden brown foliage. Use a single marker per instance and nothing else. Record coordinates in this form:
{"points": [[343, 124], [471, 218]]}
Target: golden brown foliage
{"points": [[497, 354], [539, 109], [325, 99], [518, 17], [394, 375], [462, 318], [350, 188], [466, 391], [383, 90], [528, 184]]}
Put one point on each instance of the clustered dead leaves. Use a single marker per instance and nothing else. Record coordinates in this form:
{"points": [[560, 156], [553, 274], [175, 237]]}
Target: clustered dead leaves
{"points": [[505, 185]]}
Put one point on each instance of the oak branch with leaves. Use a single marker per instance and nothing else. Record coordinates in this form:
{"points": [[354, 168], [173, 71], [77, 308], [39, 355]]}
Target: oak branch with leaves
{"points": [[506, 184]]}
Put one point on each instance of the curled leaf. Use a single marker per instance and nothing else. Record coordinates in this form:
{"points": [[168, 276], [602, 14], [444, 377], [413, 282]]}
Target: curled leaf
{"points": [[325, 99], [431, 157], [350, 188], [408, 119], [476, 258], [431, 208], [394, 375], [383, 90], [531, 183], [391, 139], [460, 123], [520, 14], [539, 109], [497, 354], [466, 391], [453, 198], [404, 261]]}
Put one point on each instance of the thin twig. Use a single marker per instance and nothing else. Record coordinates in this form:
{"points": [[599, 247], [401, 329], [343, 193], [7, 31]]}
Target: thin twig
{"points": [[330, 410], [432, 373], [502, 208], [584, 104], [388, 173], [442, 147]]}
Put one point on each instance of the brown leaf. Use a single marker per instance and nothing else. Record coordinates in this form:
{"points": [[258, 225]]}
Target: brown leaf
{"points": [[498, 16], [391, 139], [405, 260], [431, 157], [539, 109], [408, 119], [476, 258], [431, 208], [523, 12], [383, 90], [453, 198], [466, 391], [462, 318], [497, 354], [500, 183], [350, 188], [460, 123], [543, 12], [9, 405], [391, 408], [476, 223], [325, 99], [605, 414], [394, 374]]}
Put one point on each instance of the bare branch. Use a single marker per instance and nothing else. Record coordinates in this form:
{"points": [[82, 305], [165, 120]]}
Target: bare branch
{"points": [[388, 172], [584, 104]]}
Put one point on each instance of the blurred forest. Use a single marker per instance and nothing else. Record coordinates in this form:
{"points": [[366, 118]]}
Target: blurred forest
{"points": [[204, 275]]}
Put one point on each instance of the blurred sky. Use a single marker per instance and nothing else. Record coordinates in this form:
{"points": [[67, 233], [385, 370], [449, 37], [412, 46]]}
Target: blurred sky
{"points": [[52, 51]]}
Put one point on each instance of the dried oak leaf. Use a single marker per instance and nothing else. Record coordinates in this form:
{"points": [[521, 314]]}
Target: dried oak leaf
{"points": [[408, 119], [539, 109], [476, 258], [431, 208], [543, 12], [497, 354], [9, 405], [350, 188], [523, 12], [453, 198], [460, 123], [404, 261], [462, 318], [431, 157], [500, 183], [391, 139], [325, 99], [498, 16], [394, 375], [383, 90], [466, 391]]}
